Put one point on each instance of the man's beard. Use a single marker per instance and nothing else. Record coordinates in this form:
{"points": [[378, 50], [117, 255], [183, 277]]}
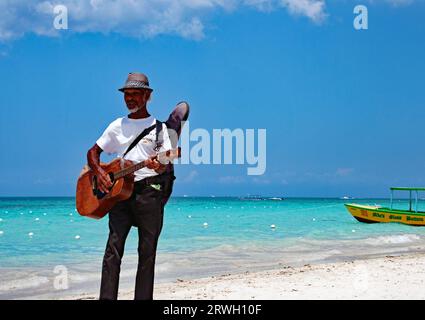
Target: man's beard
{"points": [[134, 110]]}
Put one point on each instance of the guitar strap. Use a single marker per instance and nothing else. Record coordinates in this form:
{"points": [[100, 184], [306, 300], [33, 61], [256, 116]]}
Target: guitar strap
{"points": [[158, 126], [158, 136]]}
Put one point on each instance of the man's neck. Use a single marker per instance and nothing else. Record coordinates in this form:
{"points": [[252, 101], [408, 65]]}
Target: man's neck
{"points": [[140, 114]]}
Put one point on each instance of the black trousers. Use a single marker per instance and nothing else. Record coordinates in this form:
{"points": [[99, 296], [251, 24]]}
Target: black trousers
{"points": [[144, 210]]}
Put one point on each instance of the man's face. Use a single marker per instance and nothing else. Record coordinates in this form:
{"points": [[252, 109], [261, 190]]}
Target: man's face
{"points": [[136, 98]]}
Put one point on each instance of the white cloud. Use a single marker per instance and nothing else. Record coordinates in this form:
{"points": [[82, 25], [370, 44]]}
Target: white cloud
{"points": [[191, 177], [231, 179], [399, 3], [313, 9], [261, 180], [394, 3], [343, 172], [262, 5], [143, 18], [138, 18]]}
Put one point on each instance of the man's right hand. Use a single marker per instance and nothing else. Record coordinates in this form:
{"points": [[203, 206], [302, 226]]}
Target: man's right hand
{"points": [[104, 182]]}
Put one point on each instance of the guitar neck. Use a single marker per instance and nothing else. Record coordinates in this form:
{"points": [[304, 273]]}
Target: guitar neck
{"points": [[129, 170], [168, 155]]}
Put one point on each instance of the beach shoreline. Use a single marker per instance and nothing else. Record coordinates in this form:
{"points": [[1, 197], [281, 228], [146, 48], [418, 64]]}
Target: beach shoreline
{"points": [[388, 277], [49, 252]]}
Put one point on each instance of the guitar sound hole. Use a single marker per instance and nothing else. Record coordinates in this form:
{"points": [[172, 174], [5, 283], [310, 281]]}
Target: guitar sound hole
{"points": [[96, 192]]}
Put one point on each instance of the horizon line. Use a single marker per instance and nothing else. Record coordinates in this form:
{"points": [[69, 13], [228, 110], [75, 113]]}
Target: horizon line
{"points": [[229, 196]]}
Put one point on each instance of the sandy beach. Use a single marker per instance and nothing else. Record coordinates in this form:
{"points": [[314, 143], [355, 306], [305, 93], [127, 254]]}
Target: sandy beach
{"points": [[389, 277]]}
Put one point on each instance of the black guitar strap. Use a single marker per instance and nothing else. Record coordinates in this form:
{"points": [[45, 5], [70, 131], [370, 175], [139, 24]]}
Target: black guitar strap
{"points": [[158, 126], [159, 135]]}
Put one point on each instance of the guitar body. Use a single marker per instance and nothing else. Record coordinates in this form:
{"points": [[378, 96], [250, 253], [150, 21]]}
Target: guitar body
{"points": [[91, 202]]}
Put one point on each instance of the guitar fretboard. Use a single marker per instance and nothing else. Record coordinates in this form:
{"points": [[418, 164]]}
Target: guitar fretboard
{"points": [[168, 155], [126, 171]]}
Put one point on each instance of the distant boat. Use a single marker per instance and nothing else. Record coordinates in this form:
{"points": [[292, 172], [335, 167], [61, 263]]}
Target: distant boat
{"points": [[253, 198], [376, 213], [276, 198], [260, 198], [346, 198]]}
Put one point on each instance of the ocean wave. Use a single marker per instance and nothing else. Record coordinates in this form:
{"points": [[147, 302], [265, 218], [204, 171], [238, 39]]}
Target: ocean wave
{"points": [[164, 266], [19, 284], [394, 239]]}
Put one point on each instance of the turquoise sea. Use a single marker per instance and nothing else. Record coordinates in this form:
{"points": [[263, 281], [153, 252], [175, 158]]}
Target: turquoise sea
{"points": [[201, 237]]}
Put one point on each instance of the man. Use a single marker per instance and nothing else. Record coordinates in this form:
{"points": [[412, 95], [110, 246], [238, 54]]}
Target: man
{"points": [[152, 188]]}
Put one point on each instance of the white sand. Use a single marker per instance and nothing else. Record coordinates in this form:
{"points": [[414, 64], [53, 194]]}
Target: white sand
{"points": [[400, 277]]}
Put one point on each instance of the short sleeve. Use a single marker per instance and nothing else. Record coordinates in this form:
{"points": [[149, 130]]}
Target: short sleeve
{"points": [[108, 141]]}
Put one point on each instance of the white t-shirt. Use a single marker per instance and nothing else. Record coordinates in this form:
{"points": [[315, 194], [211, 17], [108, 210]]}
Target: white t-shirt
{"points": [[121, 133]]}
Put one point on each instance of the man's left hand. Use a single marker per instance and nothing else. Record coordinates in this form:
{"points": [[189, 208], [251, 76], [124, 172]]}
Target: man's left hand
{"points": [[154, 164]]}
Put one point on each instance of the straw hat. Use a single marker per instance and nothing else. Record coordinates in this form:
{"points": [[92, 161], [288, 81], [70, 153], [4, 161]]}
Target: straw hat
{"points": [[136, 81]]}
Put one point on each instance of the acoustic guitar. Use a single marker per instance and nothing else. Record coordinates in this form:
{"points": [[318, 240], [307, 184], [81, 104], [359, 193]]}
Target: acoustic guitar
{"points": [[93, 203]]}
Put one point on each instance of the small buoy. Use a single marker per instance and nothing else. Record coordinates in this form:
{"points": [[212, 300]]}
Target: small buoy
{"points": [[1, 232], [22, 213], [353, 230], [77, 237], [189, 217], [30, 211], [273, 226], [44, 214], [30, 234], [314, 219], [37, 219], [205, 224], [70, 214], [1, 219]]}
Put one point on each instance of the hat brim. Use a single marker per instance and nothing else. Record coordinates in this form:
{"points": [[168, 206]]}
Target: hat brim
{"points": [[139, 88]]}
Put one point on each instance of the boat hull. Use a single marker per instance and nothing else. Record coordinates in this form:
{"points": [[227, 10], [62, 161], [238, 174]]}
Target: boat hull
{"points": [[375, 214]]}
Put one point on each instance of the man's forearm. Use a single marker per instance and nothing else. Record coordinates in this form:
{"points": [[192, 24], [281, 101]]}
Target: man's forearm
{"points": [[93, 157]]}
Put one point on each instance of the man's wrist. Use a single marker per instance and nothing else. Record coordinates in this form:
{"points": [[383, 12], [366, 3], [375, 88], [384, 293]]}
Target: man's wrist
{"points": [[161, 169]]}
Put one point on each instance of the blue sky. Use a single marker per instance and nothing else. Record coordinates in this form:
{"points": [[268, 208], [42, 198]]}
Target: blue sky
{"points": [[343, 108]]}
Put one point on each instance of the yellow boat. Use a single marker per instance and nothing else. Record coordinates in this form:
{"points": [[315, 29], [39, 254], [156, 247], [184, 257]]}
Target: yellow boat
{"points": [[375, 214]]}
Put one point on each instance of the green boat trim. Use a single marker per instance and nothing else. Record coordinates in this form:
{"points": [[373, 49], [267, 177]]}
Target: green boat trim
{"points": [[385, 209], [407, 189]]}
